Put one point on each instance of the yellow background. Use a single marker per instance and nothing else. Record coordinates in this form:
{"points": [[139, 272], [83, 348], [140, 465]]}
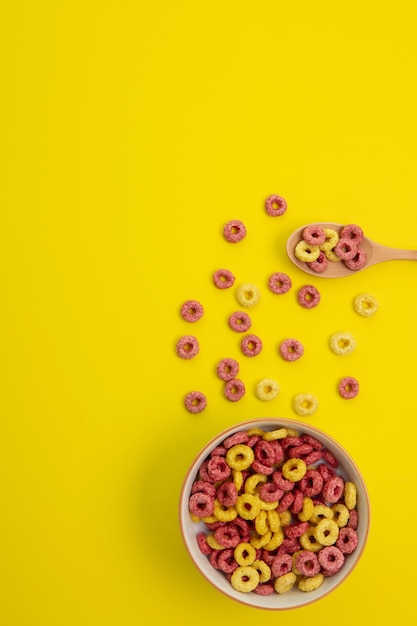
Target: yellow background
{"points": [[131, 132]]}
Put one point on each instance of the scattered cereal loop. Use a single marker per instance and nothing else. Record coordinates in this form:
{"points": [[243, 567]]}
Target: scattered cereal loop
{"points": [[267, 389], [348, 387], [291, 349], [240, 321], [227, 369], [248, 295], [308, 296], [223, 278], [279, 283], [234, 231], [342, 343], [365, 304], [191, 311], [195, 401], [251, 345], [305, 404], [275, 205], [187, 347], [234, 389]]}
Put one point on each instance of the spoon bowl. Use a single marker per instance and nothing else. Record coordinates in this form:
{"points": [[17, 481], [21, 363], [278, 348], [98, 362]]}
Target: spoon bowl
{"points": [[375, 253]]}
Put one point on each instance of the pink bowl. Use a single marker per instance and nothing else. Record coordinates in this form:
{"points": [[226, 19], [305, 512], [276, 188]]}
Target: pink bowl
{"points": [[294, 598]]}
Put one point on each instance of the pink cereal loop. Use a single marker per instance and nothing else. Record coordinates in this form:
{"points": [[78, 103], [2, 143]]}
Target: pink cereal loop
{"points": [[187, 347], [345, 249], [251, 345], [308, 296], [279, 283], [275, 205], [195, 401], [320, 264], [358, 261], [353, 232], [227, 369], [223, 279], [234, 231], [291, 349], [234, 389], [314, 235], [191, 311], [348, 387], [233, 440], [240, 321]]}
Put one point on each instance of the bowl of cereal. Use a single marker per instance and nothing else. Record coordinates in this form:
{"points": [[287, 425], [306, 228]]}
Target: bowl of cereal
{"points": [[274, 513]]}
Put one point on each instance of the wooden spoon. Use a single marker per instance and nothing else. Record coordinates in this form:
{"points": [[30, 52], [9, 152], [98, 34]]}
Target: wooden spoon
{"points": [[375, 253]]}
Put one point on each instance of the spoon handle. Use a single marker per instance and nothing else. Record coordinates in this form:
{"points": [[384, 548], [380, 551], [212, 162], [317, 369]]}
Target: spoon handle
{"points": [[384, 253]]}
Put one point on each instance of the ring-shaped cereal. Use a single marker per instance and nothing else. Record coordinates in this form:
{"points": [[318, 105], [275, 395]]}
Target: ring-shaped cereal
{"points": [[320, 264], [247, 506], [226, 561], [240, 321], [273, 435], [195, 401], [340, 514], [275, 541], [294, 469], [305, 404], [187, 347], [331, 559], [347, 540], [274, 521], [365, 304], [342, 343], [332, 256], [248, 295], [259, 541], [281, 565], [345, 249], [308, 296], [251, 345], [227, 493], [352, 232], [291, 349], [237, 479], [308, 540], [245, 554], [350, 495], [191, 311], [234, 231], [307, 563], [240, 457], [348, 387], [312, 583], [285, 583], [307, 509], [332, 237], [261, 523], [227, 536], [279, 283], [227, 369], [213, 543], [306, 252], [326, 532], [263, 569], [223, 279], [253, 483], [245, 578], [314, 235], [275, 205], [358, 261], [234, 389], [267, 389], [320, 512], [224, 513], [201, 504]]}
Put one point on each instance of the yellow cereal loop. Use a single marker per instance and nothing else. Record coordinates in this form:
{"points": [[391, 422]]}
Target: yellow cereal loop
{"points": [[275, 541], [267, 389], [365, 304], [350, 493], [342, 343], [305, 404], [274, 521], [340, 514], [248, 295], [224, 513], [259, 541], [285, 518], [239, 457], [326, 532], [253, 483], [209, 519], [237, 479], [278, 433], [194, 518], [306, 252], [244, 554], [310, 583], [294, 469], [285, 582], [247, 506], [213, 543], [255, 431], [261, 523], [263, 569], [292, 432], [332, 237], [320, 511], [266, 506], [307, 510], [245, 578], [293, 566], [309, 542]]}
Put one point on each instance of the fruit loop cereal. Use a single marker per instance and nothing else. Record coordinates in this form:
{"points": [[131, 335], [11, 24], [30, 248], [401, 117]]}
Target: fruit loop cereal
{"points": [[267, 535], [234, 389], [227, 369], [305, 404], [223, 279], [291, 349], [248, 295], [234, 231], [191, 311], [308, 296], [314, 235], [348, 387], [251, 345], [188, 347], [240, 321], [358, 261], [267, 389], [365, 304], [342, 343], [352, 232], [275, 205], [306, 251], [195, 401], [320, 264], [279, 283]]}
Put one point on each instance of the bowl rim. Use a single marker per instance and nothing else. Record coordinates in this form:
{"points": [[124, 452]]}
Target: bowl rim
{"points": [[298, 425]]}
